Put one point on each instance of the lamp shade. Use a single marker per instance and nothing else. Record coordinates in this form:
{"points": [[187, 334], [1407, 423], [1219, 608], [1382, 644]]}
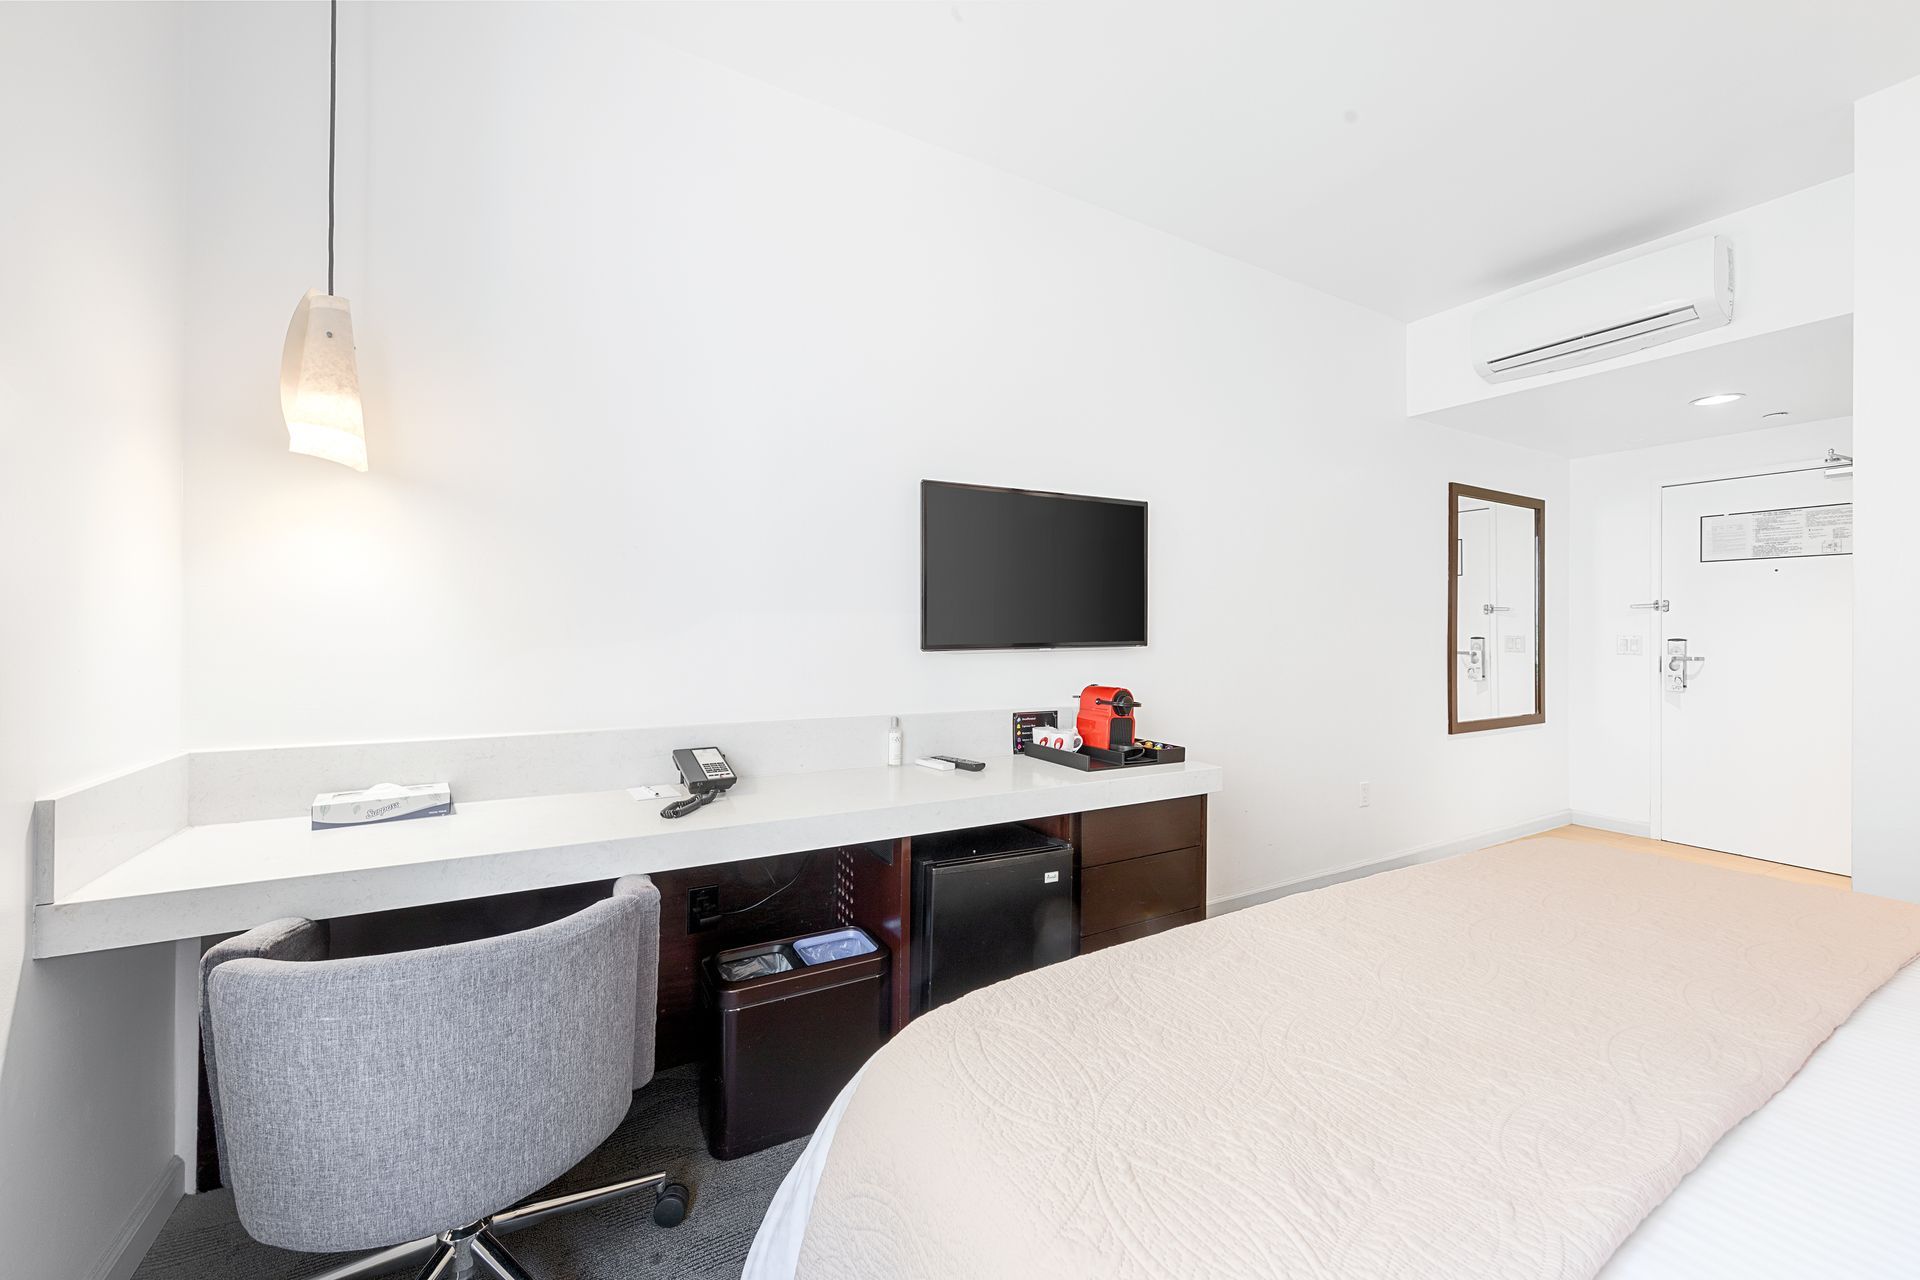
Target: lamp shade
{"points": [[320, 384]]}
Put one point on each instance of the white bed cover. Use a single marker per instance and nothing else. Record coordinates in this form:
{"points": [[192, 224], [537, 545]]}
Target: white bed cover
{"points": [[1821, 1181]]}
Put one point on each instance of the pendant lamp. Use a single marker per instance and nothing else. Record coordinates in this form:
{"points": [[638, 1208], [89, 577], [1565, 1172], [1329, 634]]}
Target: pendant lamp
{"points": [[319, 381]]}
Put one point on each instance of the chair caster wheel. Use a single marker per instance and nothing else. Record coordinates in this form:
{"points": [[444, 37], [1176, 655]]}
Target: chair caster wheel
{"points": [[670, 1208]]}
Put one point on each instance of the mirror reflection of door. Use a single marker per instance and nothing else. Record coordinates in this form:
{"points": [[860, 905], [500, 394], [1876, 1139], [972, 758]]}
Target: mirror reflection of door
{"points": [[1473, 570], [1496, 614]]}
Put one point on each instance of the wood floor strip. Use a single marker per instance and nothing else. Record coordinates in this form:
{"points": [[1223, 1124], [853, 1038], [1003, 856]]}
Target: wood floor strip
{"points": [[1707, 857]]}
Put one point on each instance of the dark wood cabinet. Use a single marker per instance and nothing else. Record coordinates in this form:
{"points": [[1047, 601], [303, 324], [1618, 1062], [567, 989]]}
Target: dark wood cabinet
{"points": [[1145, 929], [1116, 894], [1143, 870], [1134, 830]]}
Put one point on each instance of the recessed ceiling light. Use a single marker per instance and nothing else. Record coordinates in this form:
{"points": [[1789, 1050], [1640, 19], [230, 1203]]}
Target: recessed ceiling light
{"points": [[1725, 397]]}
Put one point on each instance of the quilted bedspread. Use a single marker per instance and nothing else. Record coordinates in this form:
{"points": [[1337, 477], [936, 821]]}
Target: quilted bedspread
{"points": [[1490, 1066]]}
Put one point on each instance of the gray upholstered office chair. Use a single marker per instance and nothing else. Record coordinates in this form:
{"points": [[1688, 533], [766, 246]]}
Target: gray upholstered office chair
{"points": [[403, 1102]]}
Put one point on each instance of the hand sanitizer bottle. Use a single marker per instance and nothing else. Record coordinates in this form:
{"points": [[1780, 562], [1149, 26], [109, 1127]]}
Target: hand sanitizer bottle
{"points": [[896, 750]]}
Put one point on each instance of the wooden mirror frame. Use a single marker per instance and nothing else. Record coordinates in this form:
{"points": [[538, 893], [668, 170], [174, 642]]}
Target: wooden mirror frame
{"points": [[1455, 492]]}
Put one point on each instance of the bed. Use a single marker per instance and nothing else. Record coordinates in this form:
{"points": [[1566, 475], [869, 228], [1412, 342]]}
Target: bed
{"points": [[1547, 1059]]}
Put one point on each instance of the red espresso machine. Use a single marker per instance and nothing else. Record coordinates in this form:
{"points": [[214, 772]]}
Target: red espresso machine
{"points": [[1109, 739], [1105, 722]]}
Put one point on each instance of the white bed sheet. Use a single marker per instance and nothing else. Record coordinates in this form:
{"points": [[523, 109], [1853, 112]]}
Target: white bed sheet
{"points": [[1822, 1181]]}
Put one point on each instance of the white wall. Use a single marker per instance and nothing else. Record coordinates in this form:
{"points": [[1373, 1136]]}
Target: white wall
{"points": [[1793, 266], [1613, 504], [612, 301], [90, 573], [1886, 586]]}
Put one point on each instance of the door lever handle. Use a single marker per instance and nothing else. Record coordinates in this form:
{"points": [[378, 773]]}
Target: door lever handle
{"points": [[1681, 667], [1660, 605], [1495, 608]]}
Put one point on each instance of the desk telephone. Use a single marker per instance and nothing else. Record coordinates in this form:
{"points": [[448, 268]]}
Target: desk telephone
{"points": [[706, 774]]}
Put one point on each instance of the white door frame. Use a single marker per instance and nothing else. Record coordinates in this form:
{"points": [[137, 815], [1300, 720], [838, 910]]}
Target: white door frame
{"points": [[1657, 576]]}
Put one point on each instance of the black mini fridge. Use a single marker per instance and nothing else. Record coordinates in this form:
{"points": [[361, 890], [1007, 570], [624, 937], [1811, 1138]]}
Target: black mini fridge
{"points": [[988, 903]]}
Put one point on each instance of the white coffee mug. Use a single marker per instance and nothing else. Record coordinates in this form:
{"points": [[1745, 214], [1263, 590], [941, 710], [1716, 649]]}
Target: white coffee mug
{"points": [[1058, 739]]}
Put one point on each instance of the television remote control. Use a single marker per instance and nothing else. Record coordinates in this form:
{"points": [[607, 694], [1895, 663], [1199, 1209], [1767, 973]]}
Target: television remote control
{"points": [[971, 766]]}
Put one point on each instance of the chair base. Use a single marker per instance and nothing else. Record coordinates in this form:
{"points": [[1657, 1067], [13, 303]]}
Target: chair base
{"points": [[475, 1249], [470, 1250]]}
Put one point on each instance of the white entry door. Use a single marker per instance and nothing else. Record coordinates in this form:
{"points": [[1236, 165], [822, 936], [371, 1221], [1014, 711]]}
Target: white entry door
{"points": [[1756, 668]]}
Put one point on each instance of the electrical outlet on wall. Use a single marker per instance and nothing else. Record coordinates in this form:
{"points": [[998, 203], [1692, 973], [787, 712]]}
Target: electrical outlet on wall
{"points": [[1627, 646], [1366, 794]]}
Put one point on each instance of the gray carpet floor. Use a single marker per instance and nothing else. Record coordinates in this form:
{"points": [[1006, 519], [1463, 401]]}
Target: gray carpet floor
{"points": [[203, 1240]]}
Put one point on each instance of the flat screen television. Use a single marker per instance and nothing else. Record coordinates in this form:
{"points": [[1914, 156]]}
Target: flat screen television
{"points": [[1017, 569]]}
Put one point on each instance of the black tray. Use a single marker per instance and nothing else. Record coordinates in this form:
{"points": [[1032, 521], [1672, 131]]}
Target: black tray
{"points": [[1093, 759]]}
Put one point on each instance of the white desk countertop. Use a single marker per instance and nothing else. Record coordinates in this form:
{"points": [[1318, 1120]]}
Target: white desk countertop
{"points": [[232, 876]]}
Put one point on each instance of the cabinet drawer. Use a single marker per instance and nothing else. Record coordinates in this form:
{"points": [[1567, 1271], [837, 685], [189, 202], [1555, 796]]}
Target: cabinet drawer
{"points": [[1112, 835], [1124, 893], [1145, 929]]}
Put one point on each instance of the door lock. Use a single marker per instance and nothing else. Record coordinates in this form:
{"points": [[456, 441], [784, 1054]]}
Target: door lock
{"points": [[1476, 655], [1679, 664]]}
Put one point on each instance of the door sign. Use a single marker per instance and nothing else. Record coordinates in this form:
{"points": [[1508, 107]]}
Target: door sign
{"points": [[1778, 535]]}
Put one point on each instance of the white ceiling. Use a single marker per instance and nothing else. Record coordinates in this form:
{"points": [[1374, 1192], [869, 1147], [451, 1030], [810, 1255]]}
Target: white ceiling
{"points": [[1405, 154], [1806, 371]]}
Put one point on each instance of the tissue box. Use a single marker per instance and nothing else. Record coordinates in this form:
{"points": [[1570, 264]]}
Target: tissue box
{"points": [[385, 802]]}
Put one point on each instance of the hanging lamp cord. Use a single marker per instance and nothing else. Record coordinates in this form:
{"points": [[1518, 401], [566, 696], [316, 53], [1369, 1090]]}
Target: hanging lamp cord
{"points": [[333, 78]]}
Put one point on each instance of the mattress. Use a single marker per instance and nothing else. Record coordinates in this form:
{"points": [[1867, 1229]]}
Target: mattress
{"points": [[1815, 1183]]}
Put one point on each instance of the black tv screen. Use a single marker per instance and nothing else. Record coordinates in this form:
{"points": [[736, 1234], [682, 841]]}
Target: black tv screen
{"points": [[1016, 569]]}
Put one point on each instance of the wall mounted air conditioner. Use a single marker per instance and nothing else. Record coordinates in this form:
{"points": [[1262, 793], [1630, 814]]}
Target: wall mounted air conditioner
{"points": [[1657, 297]]}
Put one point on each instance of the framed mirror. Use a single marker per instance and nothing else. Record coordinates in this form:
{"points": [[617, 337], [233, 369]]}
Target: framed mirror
{"points": [[1496, 609]]}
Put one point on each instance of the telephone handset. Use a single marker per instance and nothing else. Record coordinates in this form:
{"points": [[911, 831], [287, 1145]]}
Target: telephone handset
{"points": [[706, 774]]}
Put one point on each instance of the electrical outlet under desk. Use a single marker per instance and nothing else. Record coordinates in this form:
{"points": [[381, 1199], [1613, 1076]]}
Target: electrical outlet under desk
{"points": [[703, 907]]}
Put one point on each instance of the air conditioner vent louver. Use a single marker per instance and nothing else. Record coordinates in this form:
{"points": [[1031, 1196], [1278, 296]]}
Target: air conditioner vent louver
{"points": [[1660, 296], [1597, 339]]}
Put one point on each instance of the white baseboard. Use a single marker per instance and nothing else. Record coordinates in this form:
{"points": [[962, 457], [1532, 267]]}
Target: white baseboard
{"points": [[1412, 857], [1624, 826], [130, 1244]]}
